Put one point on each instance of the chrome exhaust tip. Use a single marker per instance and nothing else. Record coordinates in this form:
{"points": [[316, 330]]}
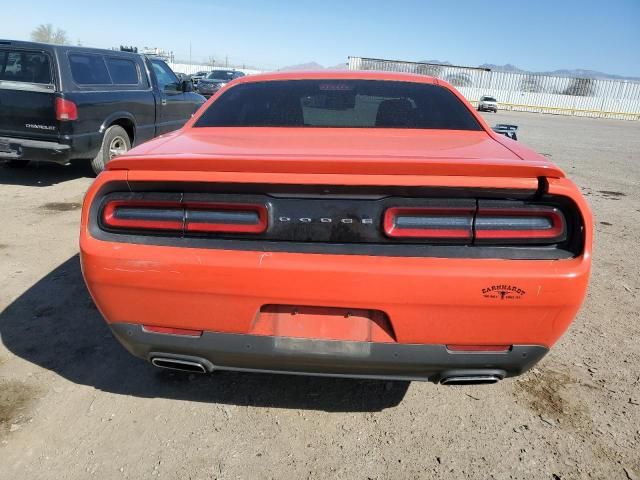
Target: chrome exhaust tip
{"points": [[471, 376], [191, 366], [470, 380]]}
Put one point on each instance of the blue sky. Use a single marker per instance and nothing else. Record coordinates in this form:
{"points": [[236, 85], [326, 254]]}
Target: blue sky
{"points": [[536, 35]]}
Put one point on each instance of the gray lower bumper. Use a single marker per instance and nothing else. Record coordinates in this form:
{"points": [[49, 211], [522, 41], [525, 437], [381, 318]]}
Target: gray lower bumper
{"points": [[37, 150], [224, 351]]}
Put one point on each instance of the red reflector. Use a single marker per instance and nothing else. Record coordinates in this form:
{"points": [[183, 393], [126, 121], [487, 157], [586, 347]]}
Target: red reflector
{"points": [[66, 110], [172, 331], [479, 348], [143, 214], [429, 222], [226, 217]]}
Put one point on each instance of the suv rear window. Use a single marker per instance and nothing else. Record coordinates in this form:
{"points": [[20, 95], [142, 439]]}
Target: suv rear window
{"points": [[339, 104], [89, 69], [123, 71], [25, 66]]}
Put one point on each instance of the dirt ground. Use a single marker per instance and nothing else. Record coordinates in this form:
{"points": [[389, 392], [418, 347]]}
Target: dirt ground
{"points": [[75, 405]]}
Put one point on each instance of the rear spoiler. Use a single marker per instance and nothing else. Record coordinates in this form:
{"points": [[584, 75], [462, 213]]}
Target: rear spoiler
{"points": [[506, 130]]}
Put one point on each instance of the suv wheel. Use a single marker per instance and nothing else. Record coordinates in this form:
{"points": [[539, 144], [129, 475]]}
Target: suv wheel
{"points": [[114, 142]]}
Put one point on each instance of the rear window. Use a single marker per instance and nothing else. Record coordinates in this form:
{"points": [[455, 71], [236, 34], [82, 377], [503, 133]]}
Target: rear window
{"points": [[89, 69], [339, 104], [224, 75], [123, 72], [25, 66], [488, 99]]}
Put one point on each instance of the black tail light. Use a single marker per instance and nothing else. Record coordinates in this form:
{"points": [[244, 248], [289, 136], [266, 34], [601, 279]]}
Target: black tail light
{"points": [[184, 217], [490, 223], [143, 215], [520, 224], [430, 222], [387, 225], [226, 218]]}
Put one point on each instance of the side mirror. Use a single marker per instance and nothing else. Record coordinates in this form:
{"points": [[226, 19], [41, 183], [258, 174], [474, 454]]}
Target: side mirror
{"points": [[186, 86]]}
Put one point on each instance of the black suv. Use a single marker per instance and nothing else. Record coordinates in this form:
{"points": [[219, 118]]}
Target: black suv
{"points": [[59, 103]]}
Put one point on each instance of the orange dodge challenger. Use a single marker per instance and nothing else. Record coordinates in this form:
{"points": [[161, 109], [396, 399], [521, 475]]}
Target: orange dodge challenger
{"points": [[359, 224]]}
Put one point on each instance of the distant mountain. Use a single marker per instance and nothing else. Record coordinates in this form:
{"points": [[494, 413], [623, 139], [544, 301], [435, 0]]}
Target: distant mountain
{"points": [[581, 73], [578, 72], [437, 62], [304, 66], [503, 68], [340, 66], [590, 74]]}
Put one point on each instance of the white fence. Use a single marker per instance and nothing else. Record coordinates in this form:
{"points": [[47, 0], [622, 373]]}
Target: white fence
{"points": [[192, 68], [527, 92]]}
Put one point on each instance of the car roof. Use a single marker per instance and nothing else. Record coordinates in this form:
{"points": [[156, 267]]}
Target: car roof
{"points": [[53, 46]]}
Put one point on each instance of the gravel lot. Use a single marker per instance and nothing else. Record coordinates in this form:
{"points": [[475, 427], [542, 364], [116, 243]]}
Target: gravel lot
{"points": [[75, 405]]}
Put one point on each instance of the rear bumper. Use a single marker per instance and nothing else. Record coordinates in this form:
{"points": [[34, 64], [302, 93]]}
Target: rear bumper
{"points": [[429, 302], [83, 145], [23, 149], [224, 351]]}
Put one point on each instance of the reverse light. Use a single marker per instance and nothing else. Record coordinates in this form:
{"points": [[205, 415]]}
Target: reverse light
{"points": [[66, 110], [429, 222], [225, 217], [521, 224]]}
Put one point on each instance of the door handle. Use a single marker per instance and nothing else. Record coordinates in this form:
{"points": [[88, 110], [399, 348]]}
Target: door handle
{"points": [[163, 102]]}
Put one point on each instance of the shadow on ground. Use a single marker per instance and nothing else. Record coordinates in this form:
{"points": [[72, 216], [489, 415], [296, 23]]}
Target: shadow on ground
{"points": [[43, 174], [55, 325]]}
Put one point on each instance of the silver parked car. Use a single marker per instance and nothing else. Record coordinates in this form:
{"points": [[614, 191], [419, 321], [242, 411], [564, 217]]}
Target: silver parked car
{"points": [[196, 77], [488, 103]]}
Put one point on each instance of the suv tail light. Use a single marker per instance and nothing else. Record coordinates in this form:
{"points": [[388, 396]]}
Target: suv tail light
{"points": [[181, 217], [66, 110]]}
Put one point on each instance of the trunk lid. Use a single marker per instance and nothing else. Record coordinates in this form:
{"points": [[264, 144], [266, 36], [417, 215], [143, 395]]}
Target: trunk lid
{"points": [[334, 151], [27, 94]]}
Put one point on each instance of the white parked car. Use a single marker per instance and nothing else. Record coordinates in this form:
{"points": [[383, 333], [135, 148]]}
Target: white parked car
{"points": [[488, 104]]}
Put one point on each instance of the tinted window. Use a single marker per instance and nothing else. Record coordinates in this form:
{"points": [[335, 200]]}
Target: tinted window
{"points": [[123, 72], [488, 99], [339, 103], [89, 69], [224, 75], [164, 74], [24, 66]]}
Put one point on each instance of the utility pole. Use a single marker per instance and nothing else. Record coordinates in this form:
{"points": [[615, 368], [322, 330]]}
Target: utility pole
{"points": [[190, 63]]}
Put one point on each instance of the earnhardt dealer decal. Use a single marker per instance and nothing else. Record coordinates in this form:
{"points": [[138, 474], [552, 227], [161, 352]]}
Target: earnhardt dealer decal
{"points": [[503, 292]]}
